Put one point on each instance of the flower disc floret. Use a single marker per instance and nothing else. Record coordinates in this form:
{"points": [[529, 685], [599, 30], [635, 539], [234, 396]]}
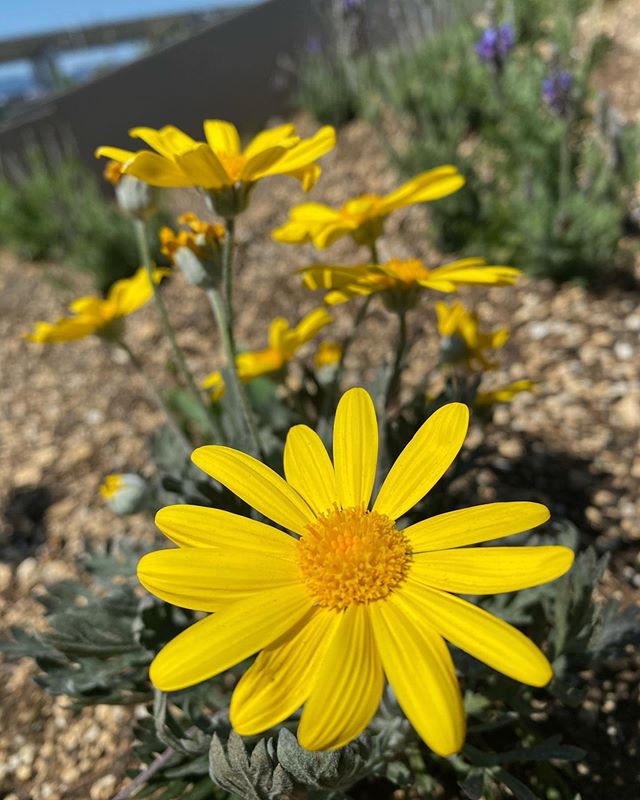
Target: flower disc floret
{"points": [[352, 555]]}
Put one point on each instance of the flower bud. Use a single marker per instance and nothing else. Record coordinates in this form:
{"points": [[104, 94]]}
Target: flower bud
{"points": [[125, 493], [136, 198]]}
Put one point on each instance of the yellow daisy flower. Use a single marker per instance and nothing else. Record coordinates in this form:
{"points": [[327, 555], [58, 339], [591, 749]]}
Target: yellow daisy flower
{"points": [[284, 342], [328, 354], [111, 485], [176, 159], [505, 394], [216, 386], [406, 277], [351, 595], [95, 315], [363, 217], [463, 341]]}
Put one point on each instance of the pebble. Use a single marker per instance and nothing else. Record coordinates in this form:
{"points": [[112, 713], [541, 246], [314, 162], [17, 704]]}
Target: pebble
{"points": [[103, 788]]}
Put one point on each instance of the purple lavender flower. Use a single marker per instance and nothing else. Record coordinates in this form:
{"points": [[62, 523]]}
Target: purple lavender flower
{"points": [[313, 45], [556, 91], [495, 43]]}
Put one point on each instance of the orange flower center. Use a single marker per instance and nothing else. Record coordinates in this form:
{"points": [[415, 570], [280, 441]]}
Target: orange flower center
{"points": [[233, 164], [352, 555]]}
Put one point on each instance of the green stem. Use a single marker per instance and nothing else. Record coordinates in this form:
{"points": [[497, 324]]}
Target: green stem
{"points": [[145, 255], [375, 257], [157, 398], [227, 276], [401, 347], [237, 387]]}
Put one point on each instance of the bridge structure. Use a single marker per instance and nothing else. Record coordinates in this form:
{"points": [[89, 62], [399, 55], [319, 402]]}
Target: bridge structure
{"points": [[43, 50]]}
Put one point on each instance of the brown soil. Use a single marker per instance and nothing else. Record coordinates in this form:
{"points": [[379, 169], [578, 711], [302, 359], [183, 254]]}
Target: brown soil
{"points": [[69, 414]]}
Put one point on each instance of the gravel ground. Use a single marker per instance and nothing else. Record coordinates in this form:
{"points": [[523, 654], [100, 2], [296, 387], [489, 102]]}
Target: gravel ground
{"points": [[70, 414]]}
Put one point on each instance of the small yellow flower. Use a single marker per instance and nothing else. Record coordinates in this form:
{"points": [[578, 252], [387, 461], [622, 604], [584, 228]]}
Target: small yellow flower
{"points": [[463, 341], [202, 238], [363, 217], [405, 276], [111, 485], [284, 342], [95, 315], [505, 394], [352, 595], [328, 354], [216, 386], [112, 172], [176, 159]]}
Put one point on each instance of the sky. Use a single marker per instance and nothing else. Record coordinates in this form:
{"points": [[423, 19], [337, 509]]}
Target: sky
{"points": [[31, 16]]}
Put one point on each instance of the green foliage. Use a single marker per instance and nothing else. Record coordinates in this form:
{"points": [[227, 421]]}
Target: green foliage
{"points": [[59, 213], [547, 191], [326, 89]]}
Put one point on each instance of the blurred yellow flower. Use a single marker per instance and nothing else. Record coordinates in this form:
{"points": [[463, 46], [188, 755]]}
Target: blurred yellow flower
{"points": [[176, 159], [111, 485], [216, 386], [355, 597], [327, 354], [505, 394], [463, 341], [409, 275], [363, 217], [112, 172], [95, 315], [284, 342], [202, 238]]}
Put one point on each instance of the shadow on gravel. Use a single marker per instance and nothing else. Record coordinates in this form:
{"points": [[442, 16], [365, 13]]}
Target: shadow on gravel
{"points": [[566, 483], [23, 522]]}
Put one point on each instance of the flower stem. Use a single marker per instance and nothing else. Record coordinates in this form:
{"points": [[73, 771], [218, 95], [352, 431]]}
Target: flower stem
{"points": [[237, 388], [157, 398], [401, 347], [227, 275], [145, 255]]}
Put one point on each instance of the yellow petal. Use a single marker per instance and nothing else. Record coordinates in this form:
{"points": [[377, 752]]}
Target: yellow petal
{"points": [[347, 688], [308, 468], [256, 484], [311, 324], [420, 670], [129, 294], [333, 277], [221, 640], [292, 233], [313, 213], [280, 679], [153, 138], [176, 141], [222, 136], [474, 271], [156, 170], [355, 448], [280, 136], [478, 633], [430, 185], [203, 167], [115, 154], [197, 526], [305, 152], [473, 525], [487, 570], [64, 330], [260, 362], [259, 164], [208, 580], [424, 460]]}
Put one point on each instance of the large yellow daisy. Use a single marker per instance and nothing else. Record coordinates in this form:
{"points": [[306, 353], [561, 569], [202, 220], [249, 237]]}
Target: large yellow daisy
{"points": [[349, 596]]}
